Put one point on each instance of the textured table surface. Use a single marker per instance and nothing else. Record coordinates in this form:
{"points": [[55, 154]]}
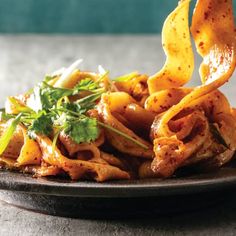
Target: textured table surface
{"points": [[25, 59]]}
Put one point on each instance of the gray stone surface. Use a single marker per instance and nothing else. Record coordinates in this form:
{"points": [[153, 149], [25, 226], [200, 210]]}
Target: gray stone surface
{"points": [[219, 220], [25, 59]]}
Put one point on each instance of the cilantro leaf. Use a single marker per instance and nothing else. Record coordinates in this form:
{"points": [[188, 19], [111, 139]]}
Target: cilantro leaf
{"points": [[43, 124], [67, 106], [82, 130], [50, 95], [45, 96]]}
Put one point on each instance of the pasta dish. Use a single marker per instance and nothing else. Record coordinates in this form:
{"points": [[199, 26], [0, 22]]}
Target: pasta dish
{"points": [[85, 125]]}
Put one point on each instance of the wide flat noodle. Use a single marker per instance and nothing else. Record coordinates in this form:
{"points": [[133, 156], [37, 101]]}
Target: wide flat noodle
{"points": [[78, 168], [179, 64], [218, 52], [137, 87], [215, 41], [171, 152], [213, 32], [17, 141], [30, 153], [118, 102], [21, 150], [161, 101]]}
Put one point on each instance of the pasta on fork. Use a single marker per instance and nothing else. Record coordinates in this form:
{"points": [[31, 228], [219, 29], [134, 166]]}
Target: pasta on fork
{"points": [[84, 125]]}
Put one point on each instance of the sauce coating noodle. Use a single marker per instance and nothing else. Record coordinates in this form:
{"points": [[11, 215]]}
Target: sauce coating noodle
{"points": [[82, 125]]}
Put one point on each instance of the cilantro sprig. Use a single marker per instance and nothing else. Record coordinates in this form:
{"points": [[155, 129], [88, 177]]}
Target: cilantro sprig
{"points": [[48, 105], [43, 124], [86, 127], [49, 111], [45, 96], [54, 111]]}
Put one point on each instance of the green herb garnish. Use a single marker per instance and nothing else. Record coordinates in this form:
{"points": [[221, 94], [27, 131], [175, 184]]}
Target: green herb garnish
{"points": [[126, 77], [18, 106], [43, 124], [123, 135], [7, 135], [49, 110], [45, 96], [217, 135], [82, 129]]}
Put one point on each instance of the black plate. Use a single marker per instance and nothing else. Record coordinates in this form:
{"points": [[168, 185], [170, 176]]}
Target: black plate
{"points": [[134, 198]]}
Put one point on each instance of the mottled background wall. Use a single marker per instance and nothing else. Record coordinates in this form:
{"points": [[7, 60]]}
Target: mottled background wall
{"points": [[84, 16]]}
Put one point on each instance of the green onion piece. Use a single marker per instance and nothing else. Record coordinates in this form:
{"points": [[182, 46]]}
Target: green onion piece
{"points": [[123, 135], [90, 98], [102, 76], [48, 78], [6, 137], [19, 107], [4, 116], [55, 138], [126, 77], [217, 135], [29, 92]]}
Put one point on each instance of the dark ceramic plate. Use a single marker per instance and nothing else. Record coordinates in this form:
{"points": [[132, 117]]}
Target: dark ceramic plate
{"points": [[134, 198]]}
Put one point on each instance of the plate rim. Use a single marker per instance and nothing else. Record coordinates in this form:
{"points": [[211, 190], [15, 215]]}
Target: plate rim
{"points": [[115, 189]]}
